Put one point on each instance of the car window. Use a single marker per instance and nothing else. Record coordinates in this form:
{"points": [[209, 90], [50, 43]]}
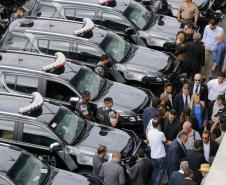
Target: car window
{"points": [[52, 46], [58, 91], [43, 46], [22, 84], [88, 54], [6, 129], [37, 135], [17, 43], [79, 14], [114, 22], [47, 11]]}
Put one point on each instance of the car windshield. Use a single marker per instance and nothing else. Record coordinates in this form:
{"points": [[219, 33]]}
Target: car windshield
{"points": [[28, 170], [138, 15], [87, 80], [116, 47], [68, 126]]}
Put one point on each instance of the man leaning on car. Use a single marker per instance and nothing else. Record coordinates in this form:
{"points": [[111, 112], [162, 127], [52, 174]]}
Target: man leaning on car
{"points": [[188, 12]]}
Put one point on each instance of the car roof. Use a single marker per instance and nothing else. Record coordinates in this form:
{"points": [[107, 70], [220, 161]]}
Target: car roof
{"points": [[9, 154], [31, 63], [50, 26], [120, 5], [11, 103]]}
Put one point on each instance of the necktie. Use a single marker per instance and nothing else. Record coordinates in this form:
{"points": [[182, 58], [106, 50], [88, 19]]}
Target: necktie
{"points": [[184, 148], [196, 90], [186, 101]]}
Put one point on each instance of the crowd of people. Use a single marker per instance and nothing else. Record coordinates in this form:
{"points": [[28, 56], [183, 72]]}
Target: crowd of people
{"points": [[183, 130]]}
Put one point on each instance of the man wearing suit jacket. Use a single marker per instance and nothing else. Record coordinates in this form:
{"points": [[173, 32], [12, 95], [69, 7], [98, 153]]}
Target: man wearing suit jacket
{"points": [[195, 159], [194, 57], [177, 153], [141, 171], [199, 87], [182, 99], [188, 177], [210, 147]]}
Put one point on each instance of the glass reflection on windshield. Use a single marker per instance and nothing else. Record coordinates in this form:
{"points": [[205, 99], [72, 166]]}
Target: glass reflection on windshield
{"points": [[87, 80], [68, 126], [28, 170], [116, 47], [138, 15]]}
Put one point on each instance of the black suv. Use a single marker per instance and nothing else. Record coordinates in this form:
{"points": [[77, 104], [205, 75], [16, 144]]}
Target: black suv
{"points": [[125, 17], [86, 43], [27, 72], [57, 135], [20, 167]]}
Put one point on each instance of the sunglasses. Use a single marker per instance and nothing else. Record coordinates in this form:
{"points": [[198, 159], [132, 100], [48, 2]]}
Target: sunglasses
{"points": [[197, 80], [205, 138]]}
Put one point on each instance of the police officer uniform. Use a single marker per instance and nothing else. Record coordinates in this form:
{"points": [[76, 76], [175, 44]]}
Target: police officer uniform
{"points": [[85, 108], [105, 115], [188, 11]]}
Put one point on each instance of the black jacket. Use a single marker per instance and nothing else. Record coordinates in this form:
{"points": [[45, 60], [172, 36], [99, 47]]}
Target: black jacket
{"points": [[194, 55], [203, 92], [175, 155], [213, 148], [195, 159], [140, 173], [188, 182], [178, 103]]}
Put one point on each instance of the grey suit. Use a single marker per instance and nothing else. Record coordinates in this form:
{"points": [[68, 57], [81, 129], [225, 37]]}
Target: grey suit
{"points": [[112, 173], [141, 172]]}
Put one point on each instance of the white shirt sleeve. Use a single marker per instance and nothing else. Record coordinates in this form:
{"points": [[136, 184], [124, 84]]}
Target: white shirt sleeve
{"points": [[163, 137]]}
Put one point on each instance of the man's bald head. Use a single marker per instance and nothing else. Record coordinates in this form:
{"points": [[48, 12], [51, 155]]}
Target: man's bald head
{"points": [[116, 156], [187, 127], [197, 78], [219, 37]]}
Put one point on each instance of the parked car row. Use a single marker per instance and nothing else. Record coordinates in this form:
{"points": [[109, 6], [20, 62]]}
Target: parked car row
{"points": [[47, 61]]}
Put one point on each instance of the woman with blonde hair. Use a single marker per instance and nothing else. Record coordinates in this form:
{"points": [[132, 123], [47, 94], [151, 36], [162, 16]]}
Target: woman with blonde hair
{"points": [[199, 113]]}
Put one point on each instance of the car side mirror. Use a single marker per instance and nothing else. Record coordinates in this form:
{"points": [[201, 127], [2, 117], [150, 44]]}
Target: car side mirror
{"points": [[129, 31], [39, 14], [74, 100], [55, 147]]}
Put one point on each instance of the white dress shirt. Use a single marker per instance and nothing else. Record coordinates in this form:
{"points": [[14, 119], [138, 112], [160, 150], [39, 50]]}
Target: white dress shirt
{"points": [[194, 88], [215, 89], [206, 148], [184, 98], [156, 139]]}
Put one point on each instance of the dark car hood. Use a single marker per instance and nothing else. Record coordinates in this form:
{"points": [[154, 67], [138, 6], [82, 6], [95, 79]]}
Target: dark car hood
{"points": [[147, 61], [126, 98], [176, 3], [69, 178], [114, 139], [165, 31]]}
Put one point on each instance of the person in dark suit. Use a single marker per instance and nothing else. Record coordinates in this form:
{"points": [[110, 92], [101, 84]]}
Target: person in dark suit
{"points": [[199, 87], [188, 177], [210, 147], [141, 171], [194, 57], [177, 153], [182, 100], [195, 159]]}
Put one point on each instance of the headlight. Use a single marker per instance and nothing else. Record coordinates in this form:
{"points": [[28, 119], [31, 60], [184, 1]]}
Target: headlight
{"points": [[154, 79]]}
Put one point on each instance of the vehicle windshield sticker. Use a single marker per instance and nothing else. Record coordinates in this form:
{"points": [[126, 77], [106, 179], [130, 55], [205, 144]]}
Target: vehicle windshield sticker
{"points": [[54, 125], [44, 171]]}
